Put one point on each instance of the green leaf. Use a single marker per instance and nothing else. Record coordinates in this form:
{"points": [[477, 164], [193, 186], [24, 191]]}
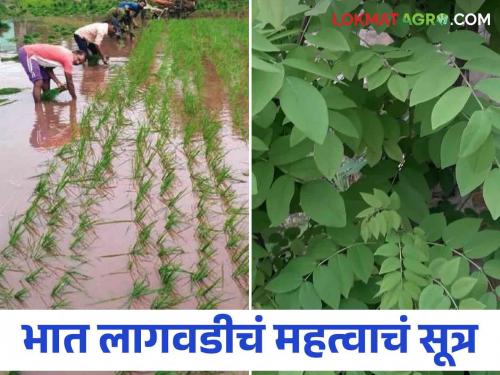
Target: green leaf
{"points": [[459, 232], [318, 68], [265, 85], [433, 226], [482, 244], [390, 265], [433, 298], [491, 193], [269, 67], [255, 189], [281, 152], [389, 282], [362, 261], [278, 11], [329, 155], [484, 65], [308, 297], [264, 173], [284, 282], [449, 106], [388, 250], [301, 265], [471, 304], [450, 145], [448, 272], [409, 67], [279, 198], [322, 203], [330, 39], [260, 43], [326, 285], [433, 82], [490, 87], [341, 267], [343, 124], [398, 87], [336, 99], [475, 134], [492, 268], [360, 57], [472, 170], [378, 79], [305, 107], [371, 200], [370, 67], [258, 144], [462, 287]]}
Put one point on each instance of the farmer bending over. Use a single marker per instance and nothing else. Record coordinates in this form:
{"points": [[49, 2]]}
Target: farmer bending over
{"points": [[132, 9], [89, 38], [39, 61]]}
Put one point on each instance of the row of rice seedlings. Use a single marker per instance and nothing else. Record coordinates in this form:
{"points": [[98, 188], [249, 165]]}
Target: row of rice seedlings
{"points": [[185, 65], [221, 173], [150, 144], [170, 269], [227, 46]]}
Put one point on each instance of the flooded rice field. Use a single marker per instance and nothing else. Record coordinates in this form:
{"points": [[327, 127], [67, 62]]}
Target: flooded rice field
{"points": [[134, 196]]}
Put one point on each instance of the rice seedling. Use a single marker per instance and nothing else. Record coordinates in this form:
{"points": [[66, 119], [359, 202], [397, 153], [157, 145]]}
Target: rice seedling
{"points": [[139, 290], [93, 60], [48, 243], [201, 273], [21, 294], [164, 252], [32, 276], [173, 220], [9, 90], [85, 224], [50, 95]]}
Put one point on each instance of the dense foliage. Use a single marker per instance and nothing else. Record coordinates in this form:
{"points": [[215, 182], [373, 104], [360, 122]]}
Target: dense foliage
{"points": [[59, 7], [375, 167], [99, 7]]}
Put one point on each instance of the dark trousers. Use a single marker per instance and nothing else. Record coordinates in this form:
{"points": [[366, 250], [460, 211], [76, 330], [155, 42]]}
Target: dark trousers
{"points": [[85, 46]]}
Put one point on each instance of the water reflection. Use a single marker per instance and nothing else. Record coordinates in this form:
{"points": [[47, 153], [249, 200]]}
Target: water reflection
{"points": [[93, 79], [55, 125]]}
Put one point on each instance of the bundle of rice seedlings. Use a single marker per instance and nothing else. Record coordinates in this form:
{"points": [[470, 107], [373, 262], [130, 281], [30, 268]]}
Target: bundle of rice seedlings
{"points": [[50, 95], [93, 60]]}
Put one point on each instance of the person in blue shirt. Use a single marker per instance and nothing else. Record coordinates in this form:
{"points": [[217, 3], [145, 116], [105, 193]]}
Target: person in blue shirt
{"points": [[122, 16], [136, 7], [132, 9]]}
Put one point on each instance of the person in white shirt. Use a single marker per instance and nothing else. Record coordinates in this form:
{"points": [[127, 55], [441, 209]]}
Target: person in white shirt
{"points": [[89, 38]]}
